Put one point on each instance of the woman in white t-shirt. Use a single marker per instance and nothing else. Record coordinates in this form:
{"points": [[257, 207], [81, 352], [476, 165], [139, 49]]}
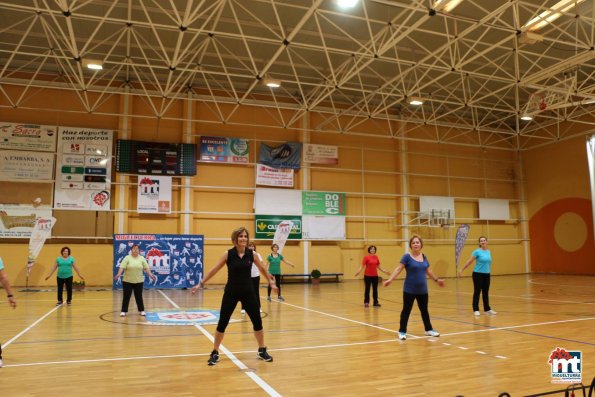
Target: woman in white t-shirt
{"points": [[255, 273]]}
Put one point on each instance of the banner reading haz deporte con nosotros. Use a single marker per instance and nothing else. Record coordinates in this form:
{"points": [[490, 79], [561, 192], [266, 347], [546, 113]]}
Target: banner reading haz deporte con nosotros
{"points": [[176, 259]]}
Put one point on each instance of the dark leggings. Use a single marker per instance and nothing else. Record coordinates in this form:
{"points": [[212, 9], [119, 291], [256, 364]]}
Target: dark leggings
{"points": [[481, 284], [373, 281], [277, 283], [229, 303], [138, 295], [422, 303], [61, 282], [256, 286]]}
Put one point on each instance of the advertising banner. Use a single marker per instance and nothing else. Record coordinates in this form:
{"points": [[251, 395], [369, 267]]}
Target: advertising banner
{"points": [[269, 176], [176, 259], [154, 195], [215, 149], [282, 233], [462, 233], [155, 158], [30, 137], [287, 155], [323, 227], [321, 154], [41, 232], [17, 221], [266, 226], [323, 203], [83, 169], [16, 164]]}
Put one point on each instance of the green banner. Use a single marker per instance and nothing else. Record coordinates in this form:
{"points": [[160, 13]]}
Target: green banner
{"points": [[266, 225], [323, 203]]}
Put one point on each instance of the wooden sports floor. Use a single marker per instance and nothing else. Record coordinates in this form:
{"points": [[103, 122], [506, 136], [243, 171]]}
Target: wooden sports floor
{"points": [[324, 343]]}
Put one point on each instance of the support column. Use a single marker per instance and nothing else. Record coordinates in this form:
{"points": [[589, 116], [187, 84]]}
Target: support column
{"points": [[186, 191], [122, 192], [306, 184]]}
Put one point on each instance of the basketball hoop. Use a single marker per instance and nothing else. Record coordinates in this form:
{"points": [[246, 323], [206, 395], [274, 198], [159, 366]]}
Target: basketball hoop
{"points": [[537, 103]]}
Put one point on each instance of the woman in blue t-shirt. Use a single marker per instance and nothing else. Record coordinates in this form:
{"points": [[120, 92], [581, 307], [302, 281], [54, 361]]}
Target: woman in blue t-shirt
{"points": [[481, 276], [65, 264], [416, 286]]}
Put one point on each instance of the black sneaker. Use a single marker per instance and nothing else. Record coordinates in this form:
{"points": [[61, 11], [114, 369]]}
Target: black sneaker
{"points": [[377, 304], [59, 303], [214, 358], [263, 355]]}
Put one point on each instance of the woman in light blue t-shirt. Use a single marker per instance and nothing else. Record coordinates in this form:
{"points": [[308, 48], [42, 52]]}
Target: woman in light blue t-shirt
{"points": [[481, 276], [64, 264]]}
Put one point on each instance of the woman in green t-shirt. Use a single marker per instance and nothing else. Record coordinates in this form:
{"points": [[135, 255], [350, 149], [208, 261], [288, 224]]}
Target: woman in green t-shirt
{"points": [[133, 267], [65, 264], [274, 260]]}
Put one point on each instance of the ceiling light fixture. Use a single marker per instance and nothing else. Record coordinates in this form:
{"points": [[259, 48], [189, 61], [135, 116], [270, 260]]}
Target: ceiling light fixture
{"points": [[271, 83], [346, 3], [446, 5], [526, 117], [93, 64], [548, 16], [416, 101]]}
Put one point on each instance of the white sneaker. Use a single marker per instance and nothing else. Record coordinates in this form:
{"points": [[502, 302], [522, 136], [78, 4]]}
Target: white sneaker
{"points": [[432, 333], [143, 313], [491, 312], [123, 314], [402, 336], [477, 313], [243, 311]]}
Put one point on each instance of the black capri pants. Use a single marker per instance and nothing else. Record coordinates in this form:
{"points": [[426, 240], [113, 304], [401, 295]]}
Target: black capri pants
{"points": [[229, 303]]}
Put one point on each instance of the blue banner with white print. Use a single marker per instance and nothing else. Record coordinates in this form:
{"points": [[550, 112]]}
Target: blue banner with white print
{"points": [[287, 155], [176, 259]]}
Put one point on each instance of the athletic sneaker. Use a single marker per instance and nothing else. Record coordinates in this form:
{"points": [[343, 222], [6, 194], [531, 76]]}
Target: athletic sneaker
{"points": [[432, 333], [243, 311], [214, 358], [477, 313], [263, 355], [59, 303], [366, 304], [377, 304], [491, 312], [123, 314], [268, 298], [280, 299], [143, 313], [402, 336], [68, 302]]}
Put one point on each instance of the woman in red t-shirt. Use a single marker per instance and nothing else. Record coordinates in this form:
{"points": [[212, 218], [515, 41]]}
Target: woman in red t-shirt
{"points": [[372, 264]]}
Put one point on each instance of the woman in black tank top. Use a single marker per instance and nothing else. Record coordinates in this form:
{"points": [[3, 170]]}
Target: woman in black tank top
{"points": [[239, 288]]}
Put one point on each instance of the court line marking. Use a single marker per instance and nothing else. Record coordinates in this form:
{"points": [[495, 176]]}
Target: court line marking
{"points": [[532, 281], [346, 319], [279, 349], [257, 379], [529, 298], [520, 326], [31, 326]]}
